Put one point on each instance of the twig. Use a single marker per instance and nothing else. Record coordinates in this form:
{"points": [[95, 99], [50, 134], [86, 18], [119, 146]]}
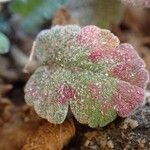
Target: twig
{"points": [[26, 68]]}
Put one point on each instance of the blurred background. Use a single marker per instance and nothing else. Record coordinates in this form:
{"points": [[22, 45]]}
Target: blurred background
{"points": [[20, 22]]}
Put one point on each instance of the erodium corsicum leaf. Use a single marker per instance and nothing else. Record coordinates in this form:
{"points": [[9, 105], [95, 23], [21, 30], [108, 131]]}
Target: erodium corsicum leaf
{"points": [[88, 71]]}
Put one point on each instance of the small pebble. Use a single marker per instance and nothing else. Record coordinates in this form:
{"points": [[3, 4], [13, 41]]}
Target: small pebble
{"points": [[131, 123], [110, 144]]}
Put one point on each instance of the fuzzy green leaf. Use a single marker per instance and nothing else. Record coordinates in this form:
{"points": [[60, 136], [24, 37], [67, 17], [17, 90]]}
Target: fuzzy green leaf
{"points": [[87, 70], [4, 44], [34, 12]]}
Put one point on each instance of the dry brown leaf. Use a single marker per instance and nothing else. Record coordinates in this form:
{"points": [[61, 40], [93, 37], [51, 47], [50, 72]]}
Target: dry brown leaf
{"points": [[25, 130], [62, 17], [50, 136], [6, 69]]}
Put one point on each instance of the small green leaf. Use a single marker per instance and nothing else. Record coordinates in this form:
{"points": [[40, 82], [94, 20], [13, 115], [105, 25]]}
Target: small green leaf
{"points": [[108, 12], [4, 44], [34, 12]]}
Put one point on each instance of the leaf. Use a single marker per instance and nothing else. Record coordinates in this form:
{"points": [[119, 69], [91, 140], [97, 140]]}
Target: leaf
{"points": [[103, 13], [108, 12], [90, 71], [4, 44], [90, 106], [34, 12], [40, 93], [51, 137]]}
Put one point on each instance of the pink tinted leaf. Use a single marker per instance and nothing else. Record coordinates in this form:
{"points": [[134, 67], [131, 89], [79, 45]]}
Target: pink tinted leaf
{"points": [[127, 97], [64, 93], [95, 92], [130, 67], [93, 37], [96, 55], [89, 71], [93, 104], [108, 40], [39, 93]]}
